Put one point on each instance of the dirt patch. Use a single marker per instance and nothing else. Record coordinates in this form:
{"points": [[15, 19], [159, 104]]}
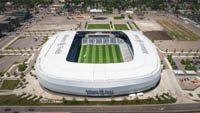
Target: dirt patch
{"points": [[157, 35], [148, 25], [178, 45]]}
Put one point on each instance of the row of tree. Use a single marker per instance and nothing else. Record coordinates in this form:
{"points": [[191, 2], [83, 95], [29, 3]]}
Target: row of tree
{"points": [[138, 4], [23, 3]]}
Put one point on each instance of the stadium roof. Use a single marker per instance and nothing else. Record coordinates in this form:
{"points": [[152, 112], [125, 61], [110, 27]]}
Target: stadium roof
{"points": [[52, 61]]}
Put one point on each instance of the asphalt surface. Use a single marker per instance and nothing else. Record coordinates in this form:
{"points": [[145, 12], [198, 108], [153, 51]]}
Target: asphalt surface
{"points": [[129, 108]]}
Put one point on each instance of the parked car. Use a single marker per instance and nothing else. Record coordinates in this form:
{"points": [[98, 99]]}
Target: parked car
{"points": [[7, 109], [30, 109]]}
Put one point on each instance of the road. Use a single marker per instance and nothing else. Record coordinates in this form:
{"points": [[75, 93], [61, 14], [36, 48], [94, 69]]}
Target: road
{"points": [[129, 108]]}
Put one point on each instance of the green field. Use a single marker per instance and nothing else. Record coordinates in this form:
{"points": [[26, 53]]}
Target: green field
{"points": [[121, 27], [9, 84], [98, 26], [100, 54]]}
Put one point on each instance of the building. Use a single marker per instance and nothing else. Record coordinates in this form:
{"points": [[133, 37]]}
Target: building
{"points": [[0, 34], [62, 1], [65, 65], [8, 23], [96, 11]]}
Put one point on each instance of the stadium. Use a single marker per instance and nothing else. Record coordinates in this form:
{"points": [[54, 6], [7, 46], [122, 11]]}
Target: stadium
{"points": [[98, 63]]}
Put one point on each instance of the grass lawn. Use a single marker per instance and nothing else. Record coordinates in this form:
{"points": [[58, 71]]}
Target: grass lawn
{"points": [[98, 26], [121, 27], [16, 100], [9, 84], [100, 54]]}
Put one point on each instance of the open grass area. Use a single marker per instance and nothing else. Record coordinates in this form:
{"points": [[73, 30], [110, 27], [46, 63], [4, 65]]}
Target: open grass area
{"points": [[98, 26], [9, 84], [178, 31], [121, 27], [100, 54], [16, 100]]}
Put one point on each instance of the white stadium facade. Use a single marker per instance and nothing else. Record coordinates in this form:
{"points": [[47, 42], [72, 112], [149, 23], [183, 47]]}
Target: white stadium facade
{"points": [[58, 72]]}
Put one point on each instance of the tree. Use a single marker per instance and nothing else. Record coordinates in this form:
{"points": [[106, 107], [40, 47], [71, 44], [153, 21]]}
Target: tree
{"points": [[197, 50], [182, 50], [174, 50], [64, 100], [1, 74], [74, 101], [125, 100], [183, 61], [86, 100], [153, 39], [22, 67], [137, 100], [190, 50], [112, 99], [166, 50]]}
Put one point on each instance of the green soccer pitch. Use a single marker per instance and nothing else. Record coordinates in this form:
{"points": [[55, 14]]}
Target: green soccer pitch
{"points": [[100, 54], [98, 26]]}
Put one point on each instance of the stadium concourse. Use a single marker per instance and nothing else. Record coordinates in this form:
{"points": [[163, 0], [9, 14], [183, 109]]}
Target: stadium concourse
{"points": [[98, 63]]}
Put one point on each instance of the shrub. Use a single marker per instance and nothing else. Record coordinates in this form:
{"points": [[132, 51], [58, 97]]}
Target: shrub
{"points": [[33, 67], [190, 94], [119, 17], [23, 80], [22, 75], [187, 62], [22, 67], [1, 74], [190, 67], [183, 61], [130, 17]]}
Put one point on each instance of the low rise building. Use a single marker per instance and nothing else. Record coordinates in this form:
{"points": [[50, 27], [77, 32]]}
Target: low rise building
{"points": [[8, 23]]}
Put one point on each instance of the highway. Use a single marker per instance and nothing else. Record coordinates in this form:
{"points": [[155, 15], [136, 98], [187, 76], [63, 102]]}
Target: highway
{"points": [[123, 108]]}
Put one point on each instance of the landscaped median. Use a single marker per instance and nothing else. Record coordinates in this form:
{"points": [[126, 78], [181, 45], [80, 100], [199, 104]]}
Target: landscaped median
{"points": [[165, 98], [122, 16]]}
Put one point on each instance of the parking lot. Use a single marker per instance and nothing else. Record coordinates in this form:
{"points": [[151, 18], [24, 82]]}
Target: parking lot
{"points": [[7, 61], [27, 43]]}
